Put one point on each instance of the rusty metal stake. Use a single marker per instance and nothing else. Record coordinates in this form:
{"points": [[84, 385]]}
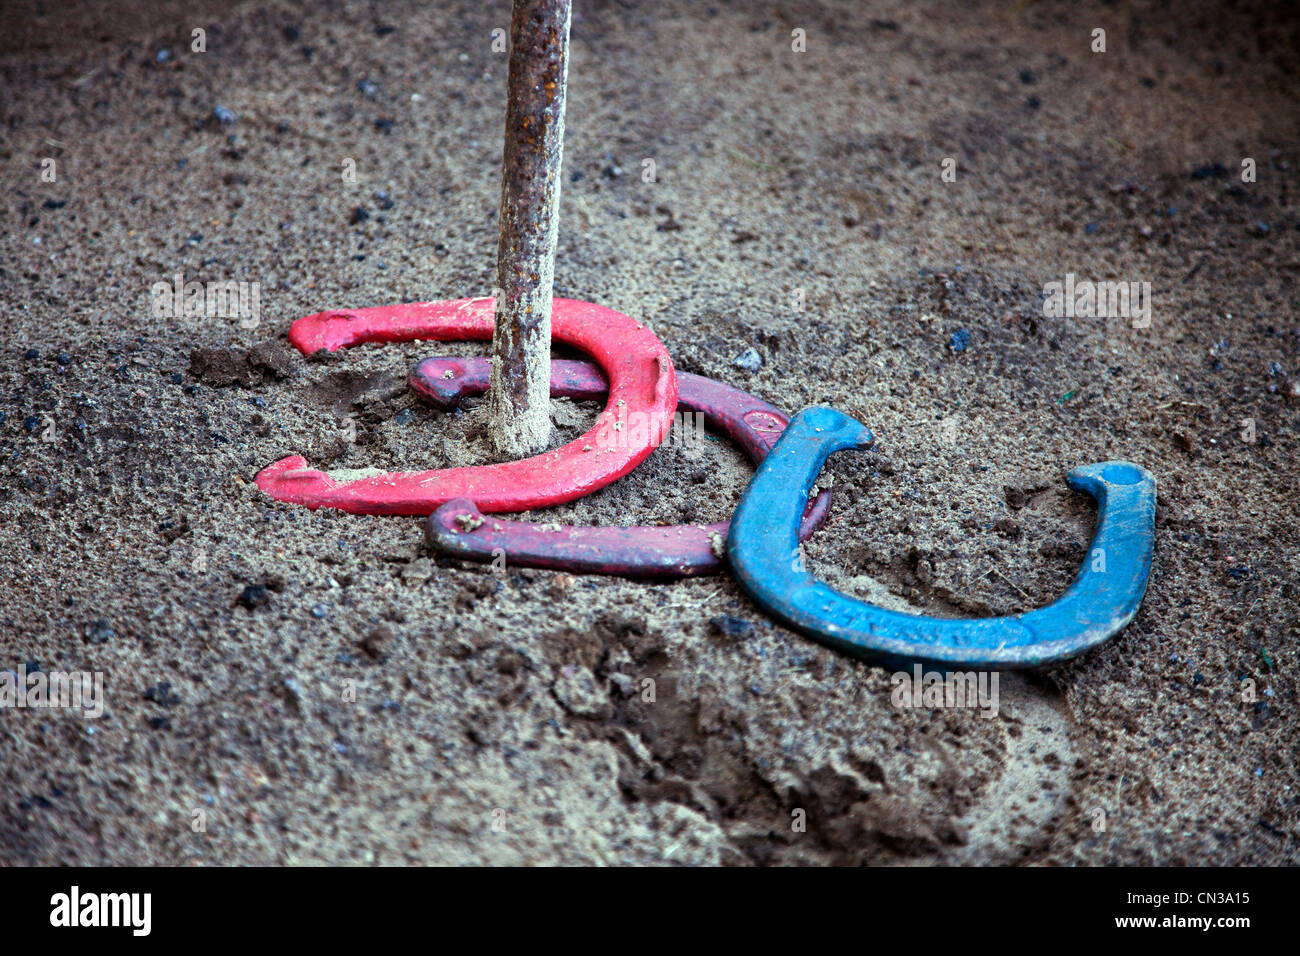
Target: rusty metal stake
{"points": [[519, 392]]}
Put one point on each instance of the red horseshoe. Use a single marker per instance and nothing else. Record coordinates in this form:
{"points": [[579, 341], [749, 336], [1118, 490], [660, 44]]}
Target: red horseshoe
{"points": [[641, 383]]}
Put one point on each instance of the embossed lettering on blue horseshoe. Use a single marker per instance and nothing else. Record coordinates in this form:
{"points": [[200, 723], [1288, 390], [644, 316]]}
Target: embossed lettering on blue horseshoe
{"points": [[1099, 604]]}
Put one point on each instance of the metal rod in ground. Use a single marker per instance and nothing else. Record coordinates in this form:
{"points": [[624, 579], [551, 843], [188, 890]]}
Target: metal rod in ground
{"points": [[519, 394]]}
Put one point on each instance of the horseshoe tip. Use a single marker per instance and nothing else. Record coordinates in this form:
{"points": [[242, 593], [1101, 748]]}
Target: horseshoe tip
{"points": [[324, 330], [850, 432], [449, 521], [1113, 473], [441, 380], [273, 472], [291, 479]]}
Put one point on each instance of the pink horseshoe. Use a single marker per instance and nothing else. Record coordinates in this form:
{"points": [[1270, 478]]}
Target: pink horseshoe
{"points": [[667, 551], [642, 389]]}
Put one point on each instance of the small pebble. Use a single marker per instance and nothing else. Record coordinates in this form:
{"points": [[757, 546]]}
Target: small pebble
{"points": [[749, 360], [162, 694], [959, 340], [222, 115], [254, 596], [378, 642], [730, 626], [320, 611]]}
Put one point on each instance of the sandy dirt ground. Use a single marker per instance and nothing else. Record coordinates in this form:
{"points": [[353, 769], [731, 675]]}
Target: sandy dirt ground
{"points": [[290, 687]]}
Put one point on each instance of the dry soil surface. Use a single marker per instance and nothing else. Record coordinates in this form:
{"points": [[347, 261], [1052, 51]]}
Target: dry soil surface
{"points": [[369, 702]]}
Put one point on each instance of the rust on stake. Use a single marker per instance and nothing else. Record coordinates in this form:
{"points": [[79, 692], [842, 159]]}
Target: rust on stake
{"points": [[519, 393]]}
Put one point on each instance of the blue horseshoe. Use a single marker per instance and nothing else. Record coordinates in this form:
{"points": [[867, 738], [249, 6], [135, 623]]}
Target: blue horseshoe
{"points": [[764, 551]]}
